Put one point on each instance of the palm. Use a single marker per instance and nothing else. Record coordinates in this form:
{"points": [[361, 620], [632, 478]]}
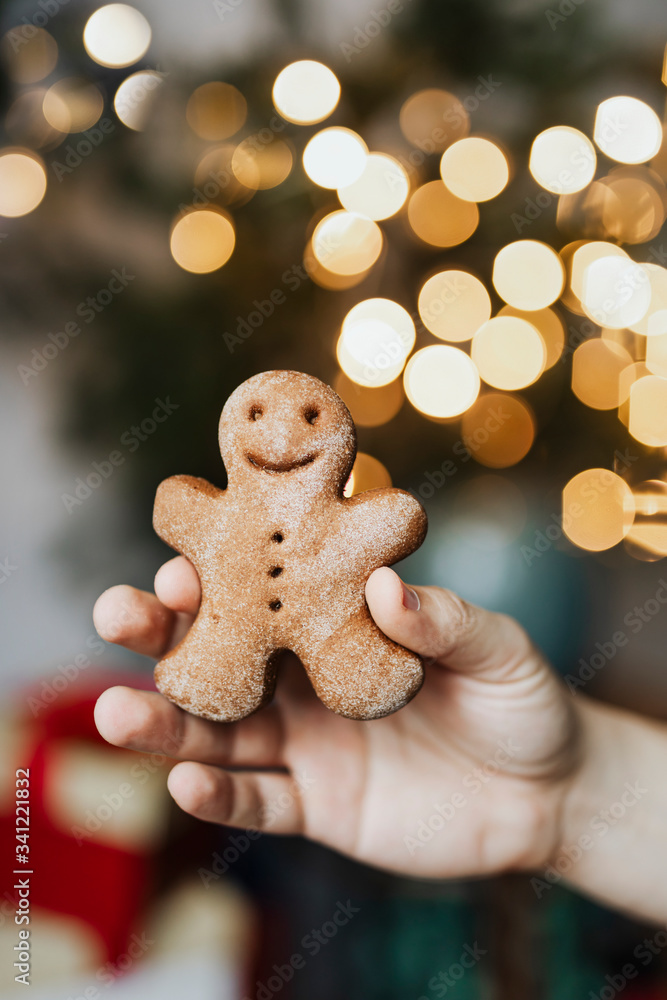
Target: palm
{"points": [[463, 780], [370, 789]]}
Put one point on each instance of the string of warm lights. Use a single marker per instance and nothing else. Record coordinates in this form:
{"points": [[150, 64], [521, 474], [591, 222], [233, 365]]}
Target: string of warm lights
{"points": [[479, 361]]}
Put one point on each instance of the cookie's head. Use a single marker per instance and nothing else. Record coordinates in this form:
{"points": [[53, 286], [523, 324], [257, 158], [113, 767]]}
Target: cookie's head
{"points": [[286, 426]]}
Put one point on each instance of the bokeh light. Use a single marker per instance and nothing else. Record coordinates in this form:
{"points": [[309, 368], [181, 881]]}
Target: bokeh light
{"points": [[380, 191], [432, 119], [598, 509], [216, 180], [509, 352], [562, 160], [116, 35], [318, 273], [370, 407], [368, 473], [346, 243], [135, 98], [376, 338], [453, 305], [616, 292], [441, 381], [474, 169], [25, 122], [306, 92], [627, 130], [22, 182], [202, 240], [633, 206], [335, 157], [216, 110], [596, 370], [528, 275], [440, 218], [498, 430], [656, 355], [648, 411], [549, 326], [261, 166], [654, 322], [29, 53], [647, 538], [577, 257], [72, 105]]}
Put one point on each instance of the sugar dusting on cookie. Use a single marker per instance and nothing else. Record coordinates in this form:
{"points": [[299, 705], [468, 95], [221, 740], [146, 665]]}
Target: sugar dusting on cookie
{"points": [[283, 560]]}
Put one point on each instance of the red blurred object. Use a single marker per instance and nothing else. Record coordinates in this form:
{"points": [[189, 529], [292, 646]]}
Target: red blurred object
{"points": [[97, 883]]}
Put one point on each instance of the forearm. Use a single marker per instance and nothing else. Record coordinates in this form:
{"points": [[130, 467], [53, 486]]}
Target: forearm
{"points": [[613, 842]]}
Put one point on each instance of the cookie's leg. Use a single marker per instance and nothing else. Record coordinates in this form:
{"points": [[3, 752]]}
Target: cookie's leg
{"points": [[218, 672], [360, 673]]}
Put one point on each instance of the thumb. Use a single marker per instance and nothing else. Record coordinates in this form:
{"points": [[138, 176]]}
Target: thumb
{"points": [[439, 625]]}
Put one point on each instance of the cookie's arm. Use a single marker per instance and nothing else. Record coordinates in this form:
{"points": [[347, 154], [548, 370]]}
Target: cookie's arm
{"points": [[388, 524], [184, 507]]}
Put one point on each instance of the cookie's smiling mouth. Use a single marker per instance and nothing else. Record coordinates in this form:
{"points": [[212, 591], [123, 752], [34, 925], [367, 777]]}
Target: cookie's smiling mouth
{"points": [[268, 466]]}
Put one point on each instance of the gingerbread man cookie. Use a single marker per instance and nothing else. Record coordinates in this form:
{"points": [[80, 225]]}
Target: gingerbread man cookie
{"points": [[283, 558]]}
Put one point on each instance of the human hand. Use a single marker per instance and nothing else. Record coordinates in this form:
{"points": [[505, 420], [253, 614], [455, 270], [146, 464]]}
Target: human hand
{"points": [[470, 778]]}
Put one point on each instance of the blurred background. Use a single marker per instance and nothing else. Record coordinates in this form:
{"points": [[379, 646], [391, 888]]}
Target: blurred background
{"points": [[451, 211]]}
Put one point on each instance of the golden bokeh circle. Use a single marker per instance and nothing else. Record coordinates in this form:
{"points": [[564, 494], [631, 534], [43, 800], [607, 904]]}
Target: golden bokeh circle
{"points": [[474, 169], [335, 157], [562, 160], [498, 430], [202, 240], [627, 130], [597, 366], [116, 35], [216, 111], [370, 407], [528, 274], [441, 381], [347, 243], [598, 509], [440, 218], [431, 119], [306, 92], [548, 325], [29, 53], [509, 352], [368, 473], [380, 191], [453, 305], [22, 182]]}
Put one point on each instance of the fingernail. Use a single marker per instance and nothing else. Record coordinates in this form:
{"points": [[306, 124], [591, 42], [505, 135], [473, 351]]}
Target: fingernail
{"points": [[410, 598]]}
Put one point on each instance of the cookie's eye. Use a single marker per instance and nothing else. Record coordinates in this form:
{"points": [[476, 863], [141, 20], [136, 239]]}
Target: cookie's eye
{"points": [[255, 412], [311, 414]]}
